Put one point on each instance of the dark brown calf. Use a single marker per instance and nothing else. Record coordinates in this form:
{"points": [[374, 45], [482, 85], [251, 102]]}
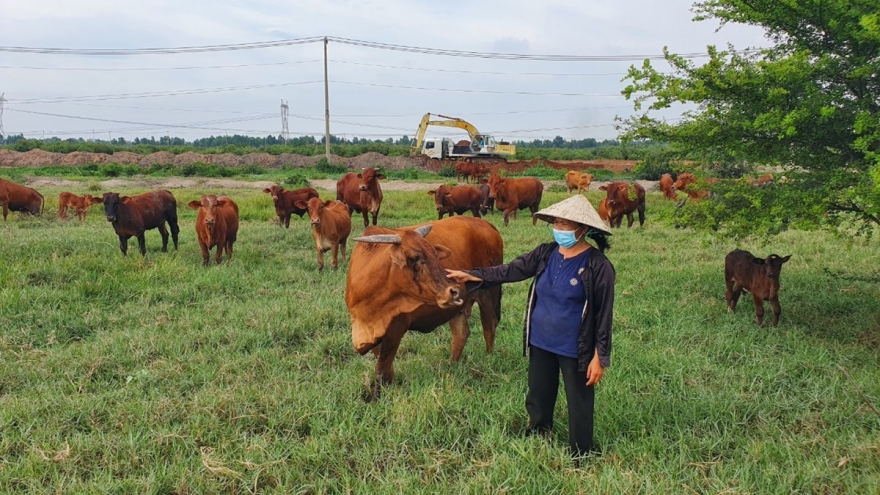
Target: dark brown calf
{"points": [[285, 202], [16, 197], [80, 204], [743, 271], [216, 225], [132, 216], [457, 199]]}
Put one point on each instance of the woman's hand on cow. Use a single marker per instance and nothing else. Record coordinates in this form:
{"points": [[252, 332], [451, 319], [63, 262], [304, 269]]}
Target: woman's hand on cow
{"points": [[461, 277], [594, 371]]}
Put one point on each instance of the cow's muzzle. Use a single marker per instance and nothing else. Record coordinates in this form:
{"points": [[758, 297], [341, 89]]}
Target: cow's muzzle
{"points": [[452, 298], [111, 218], [362, 188]]}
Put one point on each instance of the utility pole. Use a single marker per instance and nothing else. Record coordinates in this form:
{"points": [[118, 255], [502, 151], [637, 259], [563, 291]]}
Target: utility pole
{"points": [[2, 132], [285, 133], [326, 107]]}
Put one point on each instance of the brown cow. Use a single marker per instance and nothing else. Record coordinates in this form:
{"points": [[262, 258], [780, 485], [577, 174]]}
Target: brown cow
{"points": [[80, 204], [216, 225], [667, 185], [487, 204], [603, 208], [132, 216], [331, 225], [457, 199], [285, 202], [623, 198], [361, 193], [511, 195], [396, 282], [470, 170], [763, 180], [688, 183], [743, 271], [576, 180], [16, 197]]}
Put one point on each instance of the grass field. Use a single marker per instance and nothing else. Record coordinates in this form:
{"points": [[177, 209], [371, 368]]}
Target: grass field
{"points": [[156, 375]]}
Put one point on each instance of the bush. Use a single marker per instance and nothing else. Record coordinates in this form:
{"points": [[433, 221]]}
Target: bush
{"points": [[330, 168], [117, 170], [203, 170], [446, 171], [543, 172], [297, 179]]}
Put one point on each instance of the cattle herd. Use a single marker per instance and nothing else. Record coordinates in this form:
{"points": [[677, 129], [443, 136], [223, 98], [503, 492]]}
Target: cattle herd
{"points": [[396, 280]]}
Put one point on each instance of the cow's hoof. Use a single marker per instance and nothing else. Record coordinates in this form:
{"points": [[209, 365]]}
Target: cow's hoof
{"points": [[372, 390]]}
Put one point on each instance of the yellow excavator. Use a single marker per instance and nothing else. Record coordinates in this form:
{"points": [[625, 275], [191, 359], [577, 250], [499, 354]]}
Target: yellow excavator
{"points": [[480, 145]]}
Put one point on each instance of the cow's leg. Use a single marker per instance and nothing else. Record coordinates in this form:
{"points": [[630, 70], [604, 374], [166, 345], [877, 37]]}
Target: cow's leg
{"points": [[164, 231], [732, 295], [534, 209], [335, 251], [320, 252], [206, 253], [506, 216], [641, 215], [759, 309], [221, 241], [287, 221], [142, 243], [629, 220], [490, 311], [175, 230], [777, 310], [229, 250], [5, 213], [386, 352], [460, 332], [376, 216], [123, 245], [62, 212], [342, 248]]}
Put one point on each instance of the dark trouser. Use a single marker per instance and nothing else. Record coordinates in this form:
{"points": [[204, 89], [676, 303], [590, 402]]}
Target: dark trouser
{"points": [[544, 369]]}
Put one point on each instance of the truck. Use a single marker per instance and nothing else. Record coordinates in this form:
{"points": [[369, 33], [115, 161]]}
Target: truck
{"points": [[480, 145]]}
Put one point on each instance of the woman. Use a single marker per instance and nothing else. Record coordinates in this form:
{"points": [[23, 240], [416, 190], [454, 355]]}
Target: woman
{"points": [[568, 321]]}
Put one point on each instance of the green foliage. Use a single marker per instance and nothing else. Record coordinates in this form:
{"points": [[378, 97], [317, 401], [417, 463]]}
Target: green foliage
{"points": [[207, 170], [297, 179], [808, 103], [326, 167], [446, 171], [657, 163], [410, 174], [542, 172]]}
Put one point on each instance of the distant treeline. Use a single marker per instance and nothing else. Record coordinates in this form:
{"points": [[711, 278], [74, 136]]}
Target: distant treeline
{"points": [[555, 149]]}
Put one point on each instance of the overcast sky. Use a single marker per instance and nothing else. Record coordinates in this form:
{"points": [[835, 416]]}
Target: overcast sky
{"points": [[373, 93]]}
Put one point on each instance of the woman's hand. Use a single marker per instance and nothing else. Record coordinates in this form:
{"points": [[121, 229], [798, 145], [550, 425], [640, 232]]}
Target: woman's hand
{"points": [[594, 371], [461, 277]]}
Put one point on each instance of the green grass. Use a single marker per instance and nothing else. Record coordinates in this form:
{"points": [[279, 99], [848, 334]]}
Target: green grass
{"points": [[156, 375]]}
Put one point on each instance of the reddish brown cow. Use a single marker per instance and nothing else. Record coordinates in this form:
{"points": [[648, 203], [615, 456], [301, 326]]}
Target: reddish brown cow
{"points": [[331, 226], [396, 282], [285, 202], [576, 180], [511, 195], [603, 208], [16, 197], [132, 216], [743, 271], [668, 187], [361, 193], [688, 183], [623, 198], [763, 180], [216, 225], [457, 199], [80, 204], [470, 170]]}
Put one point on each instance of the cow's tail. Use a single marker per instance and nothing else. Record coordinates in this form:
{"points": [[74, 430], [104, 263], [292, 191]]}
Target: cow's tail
{"points": [[42, 203]]}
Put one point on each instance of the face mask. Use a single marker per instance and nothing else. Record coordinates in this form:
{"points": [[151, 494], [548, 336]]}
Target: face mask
{"points": [[564, 238]]}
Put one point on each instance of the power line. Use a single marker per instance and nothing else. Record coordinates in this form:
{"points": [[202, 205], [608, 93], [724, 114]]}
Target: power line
{"points": [[160, 51], [484, 91], [494, 73], [124, 69], [197, 125]]}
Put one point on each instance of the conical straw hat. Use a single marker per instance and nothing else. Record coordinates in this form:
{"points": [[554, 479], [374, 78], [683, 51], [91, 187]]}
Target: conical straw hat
{"points": [[576, 209]]}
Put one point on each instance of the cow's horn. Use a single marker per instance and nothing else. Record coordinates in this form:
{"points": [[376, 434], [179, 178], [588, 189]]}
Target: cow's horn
{"points": [[380, 239], [423, 230]]}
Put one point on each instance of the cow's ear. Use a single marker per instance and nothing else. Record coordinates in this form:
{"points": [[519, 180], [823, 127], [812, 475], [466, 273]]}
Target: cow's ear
{"points": [[442, 251], [222, 202], [380, 176], [433, 192], [329, 203], [360, 176], [302, 205], [195, 205], [397, 256], [786, 258], [267, 190], [96, 201], [603, 188], [124, 199]]}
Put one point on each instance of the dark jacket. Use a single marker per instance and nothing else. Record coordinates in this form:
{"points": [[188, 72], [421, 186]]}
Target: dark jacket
{"points": [[598, 282]]}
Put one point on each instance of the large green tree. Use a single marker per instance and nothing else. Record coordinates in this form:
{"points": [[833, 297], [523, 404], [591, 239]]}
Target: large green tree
{"points": [[810, 104]]}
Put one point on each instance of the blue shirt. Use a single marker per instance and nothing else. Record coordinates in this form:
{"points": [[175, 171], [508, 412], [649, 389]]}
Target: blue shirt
{"points": [[559, 304]]}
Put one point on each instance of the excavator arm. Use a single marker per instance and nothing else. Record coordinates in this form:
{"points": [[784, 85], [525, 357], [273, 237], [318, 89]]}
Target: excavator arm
{"points": [[472, 131]]}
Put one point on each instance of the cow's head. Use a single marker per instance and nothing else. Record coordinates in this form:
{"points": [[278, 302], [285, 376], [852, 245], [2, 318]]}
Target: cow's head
{"points": [[111, 204], [274, 191], [209, 204], [616, 193], [416, 270], [369, 178], [684, 179], [89, 200], [315, 208], [442, 198], [495, 181], [772, 265]]}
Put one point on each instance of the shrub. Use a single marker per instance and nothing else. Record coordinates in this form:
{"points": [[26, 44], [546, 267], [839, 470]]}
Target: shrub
{"points": [[297, 179], [330, 168], [446, 171]]}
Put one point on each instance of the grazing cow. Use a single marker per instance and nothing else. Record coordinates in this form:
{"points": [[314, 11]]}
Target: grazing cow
{"points": [[487, 203], [511, 195], [285, 202], [132, 216], [361, 193], [686, 179], [331, 225], [216, 225], [623, 198], [470, 170], [396, 282], [16, 197], [762, 181], [80, 204], [576, 180], [457, 199], [667, 185], [743, 271]]}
